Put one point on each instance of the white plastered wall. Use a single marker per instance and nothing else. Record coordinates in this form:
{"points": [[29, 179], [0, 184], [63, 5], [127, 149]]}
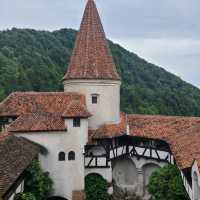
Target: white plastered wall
{"points": [[19, 189], [67, 175], [195, 181], [106, 173], [107, 110], [143, 169]]}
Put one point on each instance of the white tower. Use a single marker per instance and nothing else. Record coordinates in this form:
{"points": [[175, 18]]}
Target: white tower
{"points": [[92, 71]]}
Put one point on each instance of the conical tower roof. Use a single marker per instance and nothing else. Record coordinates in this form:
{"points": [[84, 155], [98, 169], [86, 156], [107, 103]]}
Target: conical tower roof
{"points": [[91, 57]]}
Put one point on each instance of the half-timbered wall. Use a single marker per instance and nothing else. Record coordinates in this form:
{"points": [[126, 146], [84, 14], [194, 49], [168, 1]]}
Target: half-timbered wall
{"points": [[127, 162]]}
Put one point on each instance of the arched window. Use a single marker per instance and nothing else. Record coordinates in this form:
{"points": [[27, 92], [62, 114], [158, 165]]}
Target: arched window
{"points": [[61, 156], [71, 155]]}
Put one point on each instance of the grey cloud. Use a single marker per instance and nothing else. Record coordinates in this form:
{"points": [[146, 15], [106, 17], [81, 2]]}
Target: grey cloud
{"points": [[122, 18], [179, 56], [152, 18]]}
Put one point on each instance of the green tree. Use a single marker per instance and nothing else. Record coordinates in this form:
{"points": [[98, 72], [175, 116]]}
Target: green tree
{"points": [[24, 196], [37, 181], [166, 184], [37, 60], [96, 187]]}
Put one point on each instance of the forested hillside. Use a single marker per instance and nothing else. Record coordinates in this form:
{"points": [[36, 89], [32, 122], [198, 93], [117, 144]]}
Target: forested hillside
{"points": [[37, 60]]}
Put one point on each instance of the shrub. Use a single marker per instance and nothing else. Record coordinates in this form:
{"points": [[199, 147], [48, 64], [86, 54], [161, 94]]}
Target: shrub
{"points": [[166, 184], [24, 196], [37, 181], [96, 188]]}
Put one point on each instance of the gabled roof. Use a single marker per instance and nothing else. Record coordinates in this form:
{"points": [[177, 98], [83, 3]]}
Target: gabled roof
{"points": [[19, 103], [16, 155], [91, 57], [42, 111], [38, 122], [76, 109], [181, 133]]}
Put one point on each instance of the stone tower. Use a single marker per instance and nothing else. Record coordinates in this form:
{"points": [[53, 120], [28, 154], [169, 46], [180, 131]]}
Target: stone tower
{"points": [[92, 71]]}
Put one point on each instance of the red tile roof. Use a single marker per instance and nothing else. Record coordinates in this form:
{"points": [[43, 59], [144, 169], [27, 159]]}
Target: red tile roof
{"points": [[111, 130], [76, 109], [3, 136], [16, 155], [38, 122], [42, 111], [91, 57], [19, 103], [181, 133]]}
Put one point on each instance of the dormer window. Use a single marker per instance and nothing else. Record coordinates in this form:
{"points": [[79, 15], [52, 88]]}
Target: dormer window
{"points": [[95, 98], [76, 122]]}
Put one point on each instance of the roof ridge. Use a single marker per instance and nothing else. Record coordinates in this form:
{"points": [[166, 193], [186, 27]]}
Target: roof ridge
{"points": [[163, 116], [46, 93]]}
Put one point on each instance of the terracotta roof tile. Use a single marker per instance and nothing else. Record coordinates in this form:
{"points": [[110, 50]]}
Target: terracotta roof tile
{"points": [[181, 133], [111, 130], [91, 57], [38, 122], [16, 155], [76, 109], [4, 136], [19, 103], [42, 111]]}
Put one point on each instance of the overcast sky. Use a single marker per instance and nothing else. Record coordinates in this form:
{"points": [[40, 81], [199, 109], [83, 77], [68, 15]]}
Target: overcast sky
{"points": [[164, 32]]}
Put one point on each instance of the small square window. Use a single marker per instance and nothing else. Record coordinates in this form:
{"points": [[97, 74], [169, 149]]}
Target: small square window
{"points": [[76, 122], [94, 99]]}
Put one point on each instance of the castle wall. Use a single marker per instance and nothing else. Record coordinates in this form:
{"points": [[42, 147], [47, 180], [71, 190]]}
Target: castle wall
{"points": [[67, 175], [195, 182], [107, 109], [132, 175], [128, 174]]}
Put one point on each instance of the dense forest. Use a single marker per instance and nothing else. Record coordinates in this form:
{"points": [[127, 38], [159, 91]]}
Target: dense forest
{"points": [[37, 60]]}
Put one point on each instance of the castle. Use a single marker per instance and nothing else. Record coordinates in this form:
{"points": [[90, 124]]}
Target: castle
{"points": [[84, 131]]}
